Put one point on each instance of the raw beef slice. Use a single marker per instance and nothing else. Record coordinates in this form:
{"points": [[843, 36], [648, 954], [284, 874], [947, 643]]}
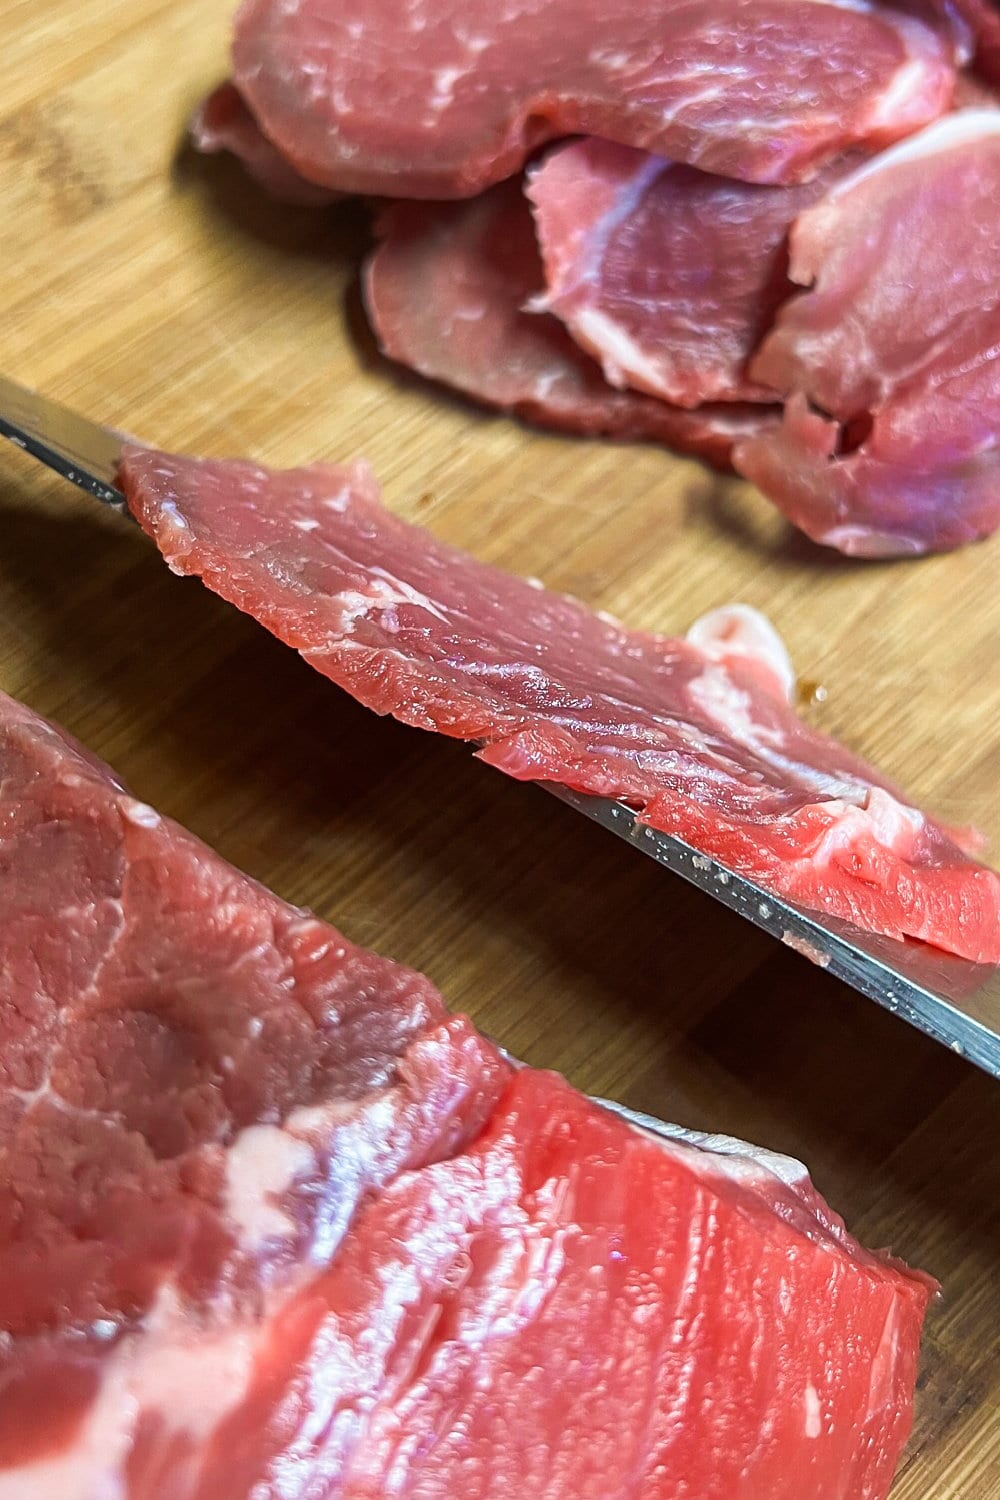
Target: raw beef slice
{"points": [[697, 733], [273, 1225], [409, 99], [447, 291], [668, 276], [223, 123], [891, 436]]}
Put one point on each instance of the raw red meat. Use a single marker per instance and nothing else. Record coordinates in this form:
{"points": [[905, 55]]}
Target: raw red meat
{"points": [[199, 1086], [608, 1294], [983, 19], [407, 99], [699, 733], [272, 1224], [224, 123], [446, 292], [668, 276], [891, 438]]}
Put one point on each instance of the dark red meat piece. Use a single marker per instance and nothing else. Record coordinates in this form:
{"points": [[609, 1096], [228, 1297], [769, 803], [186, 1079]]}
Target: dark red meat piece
{"points": [[983, 20], [410, 99], [198, 1085], [447, 291], [668, 276], [699, 733], [272, 1224], [891, 439]]}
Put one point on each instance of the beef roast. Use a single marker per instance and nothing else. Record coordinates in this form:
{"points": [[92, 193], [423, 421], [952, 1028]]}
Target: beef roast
{"points": [[697, 733], [447, 291], [891, 437], [273, 1225], [407, 99], [668, 276]]}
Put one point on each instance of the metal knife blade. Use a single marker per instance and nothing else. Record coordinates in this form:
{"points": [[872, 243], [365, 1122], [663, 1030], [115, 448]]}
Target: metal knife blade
{"points": [[954, 1001], [80, 450]]}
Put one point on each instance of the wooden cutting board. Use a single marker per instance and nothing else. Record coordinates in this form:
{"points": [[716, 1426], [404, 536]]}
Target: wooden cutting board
{"points": [[160, 293]]}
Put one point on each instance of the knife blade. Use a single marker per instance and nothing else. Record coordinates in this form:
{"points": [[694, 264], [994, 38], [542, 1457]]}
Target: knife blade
{"points": [[954, 1001], [80, 450]]}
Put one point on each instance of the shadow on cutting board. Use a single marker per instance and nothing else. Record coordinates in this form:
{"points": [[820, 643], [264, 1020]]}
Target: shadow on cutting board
{"points": [[338, 232]]}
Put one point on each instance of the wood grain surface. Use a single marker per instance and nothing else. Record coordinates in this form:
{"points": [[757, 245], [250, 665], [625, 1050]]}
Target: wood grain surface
{"points": [[162, 294]]}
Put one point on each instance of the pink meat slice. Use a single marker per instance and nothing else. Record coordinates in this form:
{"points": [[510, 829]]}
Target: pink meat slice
{"points": [[447, 291], [891, 438], [411, 100], [698, 733], [273, 1224], [224, 123], [668, 276]]}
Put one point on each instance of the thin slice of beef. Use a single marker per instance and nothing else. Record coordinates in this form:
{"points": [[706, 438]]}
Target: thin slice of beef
{"points": [[698, 733], [224, 123], [273, 1224], [447, 291], [411, 100], [891, 439], [668, 276]]}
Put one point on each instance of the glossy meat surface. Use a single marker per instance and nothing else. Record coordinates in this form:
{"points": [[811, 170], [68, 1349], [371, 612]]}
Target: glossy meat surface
{"points": [[668, 276], [890, 443], [698, 733], [410, 99]]}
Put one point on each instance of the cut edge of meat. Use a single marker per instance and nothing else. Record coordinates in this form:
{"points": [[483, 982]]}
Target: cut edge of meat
{"points": [[688, 342], [858, 461], [852, 847], [955, 129]]}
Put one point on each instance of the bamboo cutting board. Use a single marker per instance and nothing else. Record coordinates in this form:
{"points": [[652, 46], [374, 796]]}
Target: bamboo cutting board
{"points": [[162, 294]]}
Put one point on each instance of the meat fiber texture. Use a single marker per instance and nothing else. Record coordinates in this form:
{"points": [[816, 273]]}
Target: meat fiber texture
{"points": [[890, 443], [200, 1084], [448, 291], [273, 1225], [698, 734], [223, 123], [404, 98], [668, 276]]}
